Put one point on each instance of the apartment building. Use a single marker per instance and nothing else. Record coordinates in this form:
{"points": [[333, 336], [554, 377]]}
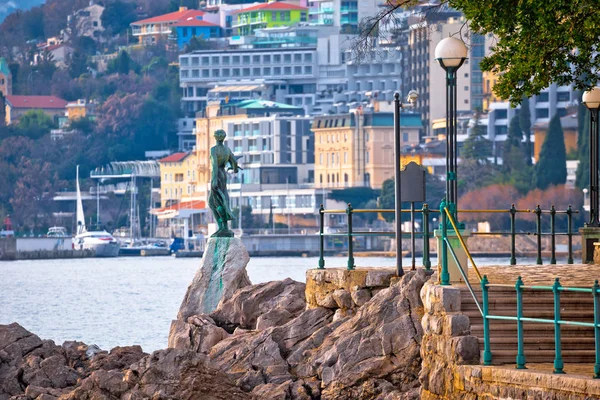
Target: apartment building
{"points": [[149, 31], [177, 178], [357, 148], [344, 14], [268, 15]]}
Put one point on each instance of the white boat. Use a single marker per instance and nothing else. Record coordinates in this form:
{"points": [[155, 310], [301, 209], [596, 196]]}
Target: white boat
{"points": [[99, 240], [57, 231]]}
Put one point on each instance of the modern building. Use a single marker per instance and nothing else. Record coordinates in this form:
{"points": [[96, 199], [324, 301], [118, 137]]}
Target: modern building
{"points": [[177, 178], [5, 78], [357, 149], [344, 14], [268, 15], [149, 31], [16, 106]]}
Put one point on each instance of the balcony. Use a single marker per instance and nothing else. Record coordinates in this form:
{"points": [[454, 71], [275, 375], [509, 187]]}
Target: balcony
{"points": [[249, 21]]}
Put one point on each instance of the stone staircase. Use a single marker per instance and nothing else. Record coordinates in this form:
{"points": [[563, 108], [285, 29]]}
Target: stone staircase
{"points": [[577, 342]]}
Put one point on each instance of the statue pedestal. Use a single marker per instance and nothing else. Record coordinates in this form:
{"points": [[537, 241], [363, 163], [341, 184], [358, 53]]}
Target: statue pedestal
{"points": [[455, 275], [589, 235], [222, 271]]}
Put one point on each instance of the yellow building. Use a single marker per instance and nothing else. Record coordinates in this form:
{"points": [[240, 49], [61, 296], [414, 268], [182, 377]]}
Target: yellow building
{"points": [[356, 149], [178, 178], [16, 106], [569, 126], [80, 109], [5, 78], [489, 81]]}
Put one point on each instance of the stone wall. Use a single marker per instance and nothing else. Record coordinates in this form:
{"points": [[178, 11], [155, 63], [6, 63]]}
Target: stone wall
{"points": [[345, 291], [451, 370], [8, 248]]}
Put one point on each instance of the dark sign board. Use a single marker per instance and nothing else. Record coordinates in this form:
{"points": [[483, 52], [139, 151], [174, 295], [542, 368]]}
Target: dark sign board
{"points": [[412, 183]]}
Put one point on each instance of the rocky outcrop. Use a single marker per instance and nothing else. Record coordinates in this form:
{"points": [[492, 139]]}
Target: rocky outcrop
{"points": [[222, 272], [344, 351]]}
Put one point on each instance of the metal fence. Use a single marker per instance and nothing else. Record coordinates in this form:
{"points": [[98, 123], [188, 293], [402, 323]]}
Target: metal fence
{"points": [[425, 233]]}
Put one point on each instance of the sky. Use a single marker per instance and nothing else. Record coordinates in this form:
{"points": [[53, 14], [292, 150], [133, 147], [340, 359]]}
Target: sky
{"points": [[9, 6]]}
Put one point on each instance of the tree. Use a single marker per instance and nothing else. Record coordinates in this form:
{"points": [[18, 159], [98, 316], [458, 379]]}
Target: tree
{"points": [[493, 197], [538, 42], [120, 65], [477, 147], [525, 125], [117, 16], [387, 200], [35, 123], [199, 43], [551, 168]]}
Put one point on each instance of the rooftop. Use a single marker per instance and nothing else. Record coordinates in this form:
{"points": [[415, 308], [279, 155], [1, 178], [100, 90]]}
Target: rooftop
{"points": [[272, 6], [175, 157], [173, 17], [35, 102]]}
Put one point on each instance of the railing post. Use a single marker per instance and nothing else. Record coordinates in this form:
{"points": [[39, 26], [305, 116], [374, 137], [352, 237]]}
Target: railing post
{"points": [[558, 361], [596, 293], [426, 260], [487, 352], [513, 233], [321, 237], [570, 233], [412, 236], [444, 275], [538, 213], [350, 242], [520, 351], [553, 234]]}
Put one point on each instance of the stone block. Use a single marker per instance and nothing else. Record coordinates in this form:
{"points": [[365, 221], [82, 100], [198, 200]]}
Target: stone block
{"points": [[456, 325], [343, 299], [449, 298], [379, 277], [432, 324], [325, 300], [360, 296], [466, 349]]}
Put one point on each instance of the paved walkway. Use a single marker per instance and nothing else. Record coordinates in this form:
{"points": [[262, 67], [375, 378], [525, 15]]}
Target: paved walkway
{"points": [[575, 275]]}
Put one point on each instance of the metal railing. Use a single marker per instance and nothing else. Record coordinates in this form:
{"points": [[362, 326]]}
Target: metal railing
{"points": [[426, 233], [483, 308]]}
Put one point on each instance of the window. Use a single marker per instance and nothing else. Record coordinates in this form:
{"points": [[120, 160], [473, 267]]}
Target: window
{"points": [[195, 61], [184, 61], [215, 60], [166, 177], [266, 59], [185, 32], [287, 70], [346, 159], [225, 60], [277, 58], [215, 73], [246, 60], [466, 88], [405, 137], [184, 73], [256, 59], [226, 73], [204, 60], [267, 71], [541, 113], [273, 16], [297, 57], [466, 74], [542, 97], [367, 157], [256, 71], [236, 72], [236, 59], [277, 71], [308, 70], [307, 57], [297, 70], [563, 96], [287, 58]]}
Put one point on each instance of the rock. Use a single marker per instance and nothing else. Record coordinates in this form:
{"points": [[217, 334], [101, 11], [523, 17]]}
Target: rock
{"points": [[199, 334], [360, 296], [268, 300], [117, 359], [325, 300], [288, 336], [222, 271], [342, 314], [251, 359], [343, 299], [382, 342], [272, 391]]}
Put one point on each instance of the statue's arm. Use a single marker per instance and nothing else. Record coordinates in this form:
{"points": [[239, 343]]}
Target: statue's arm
{"points": [[233, 162]]}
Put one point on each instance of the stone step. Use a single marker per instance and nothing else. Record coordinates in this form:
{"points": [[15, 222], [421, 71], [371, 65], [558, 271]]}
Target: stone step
{"points": [[541, 330], [532, 343], [568, 315]]}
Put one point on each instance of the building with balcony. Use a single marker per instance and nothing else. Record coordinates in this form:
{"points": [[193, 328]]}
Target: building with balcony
{"points": [[194, 27], [356, 149], [268, 15], [343, 14], [177, 178], [283, 75], [150, 30]]}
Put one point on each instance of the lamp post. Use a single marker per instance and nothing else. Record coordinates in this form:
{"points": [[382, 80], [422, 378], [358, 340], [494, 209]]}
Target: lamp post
{"points": [[451, 53], [591, 99], [411, 99]]}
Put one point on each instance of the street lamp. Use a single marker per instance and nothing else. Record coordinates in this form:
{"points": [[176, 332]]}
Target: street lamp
{"points": [[451, 53], [591, 99], [411, 100]]}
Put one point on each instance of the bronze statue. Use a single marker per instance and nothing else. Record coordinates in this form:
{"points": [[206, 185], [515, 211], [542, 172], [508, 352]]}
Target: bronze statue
{"points": [[218, 199]]}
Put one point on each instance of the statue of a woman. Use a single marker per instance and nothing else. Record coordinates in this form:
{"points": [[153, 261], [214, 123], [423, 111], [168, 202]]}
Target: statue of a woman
{"points": [[218, 199]]}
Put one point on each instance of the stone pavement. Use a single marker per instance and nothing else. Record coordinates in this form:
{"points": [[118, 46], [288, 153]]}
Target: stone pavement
{"points": [[574, 275]]}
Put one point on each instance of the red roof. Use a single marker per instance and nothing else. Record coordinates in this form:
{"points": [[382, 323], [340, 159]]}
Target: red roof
{"points": [[175, 157], [184, 205], [193, 22], [273, 6], [171, 17], [35, 102]]}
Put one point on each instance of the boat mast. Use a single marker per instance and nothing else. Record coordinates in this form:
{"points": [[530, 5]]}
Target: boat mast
{"points": [[80, 214]]}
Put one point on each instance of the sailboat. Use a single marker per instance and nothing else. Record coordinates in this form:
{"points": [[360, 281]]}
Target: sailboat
{"points": [[99, 240]]}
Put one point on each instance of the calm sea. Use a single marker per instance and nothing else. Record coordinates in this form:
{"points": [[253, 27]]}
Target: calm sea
{"points": [[124, 301]]}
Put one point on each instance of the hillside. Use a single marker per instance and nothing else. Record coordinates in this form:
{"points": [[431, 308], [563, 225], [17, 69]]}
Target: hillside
{"points": [[9, 6]]}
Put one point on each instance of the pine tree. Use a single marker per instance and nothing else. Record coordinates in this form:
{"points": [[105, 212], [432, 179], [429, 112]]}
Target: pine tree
{"points": [[512, 146], [582, 176], [477, 147], [525, 125], [551, 168]]}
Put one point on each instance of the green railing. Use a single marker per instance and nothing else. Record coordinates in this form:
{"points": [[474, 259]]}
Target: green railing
{"points": [[426, 231], [483, 308]]}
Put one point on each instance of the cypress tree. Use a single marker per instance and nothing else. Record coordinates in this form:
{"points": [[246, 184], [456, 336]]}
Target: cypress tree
{"points": [[525, 125], [551, 168], [476, 146], [512, 145]]}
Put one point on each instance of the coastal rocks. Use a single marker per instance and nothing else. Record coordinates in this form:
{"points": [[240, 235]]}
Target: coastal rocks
{"points": [[222, 271], [261, 306], [199, 334], [380, 344]]}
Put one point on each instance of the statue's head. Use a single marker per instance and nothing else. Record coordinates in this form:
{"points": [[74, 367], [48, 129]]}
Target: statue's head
{"points": [[220, 135]]}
